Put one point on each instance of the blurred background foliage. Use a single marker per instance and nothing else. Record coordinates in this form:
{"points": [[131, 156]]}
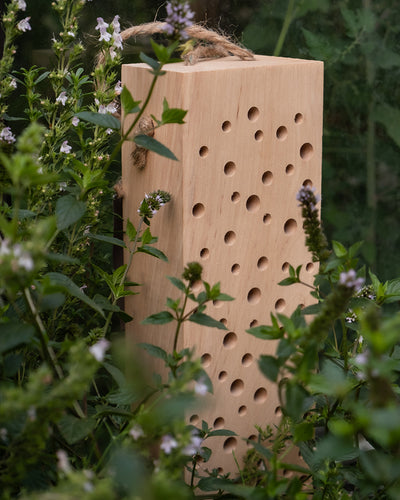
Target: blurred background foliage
{"points": [[359, 42]]}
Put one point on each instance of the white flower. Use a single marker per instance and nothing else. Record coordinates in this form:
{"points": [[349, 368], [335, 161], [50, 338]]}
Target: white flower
{"points": [[194, 446], [21, 4], [109, 131], [102, 27], [3, 434], [99, 349], [63, 462], [13, 83], [7, 136], [118, 87], [4, 248], [111, 108], [117, 43], [349, 280], [71, 34], [62, 98], [24, 25], [65, 148], [31, 413], [115, 24], [113, 53], [168, 443], [26, 261], [200, 388], [136, 432], [75, 120]]}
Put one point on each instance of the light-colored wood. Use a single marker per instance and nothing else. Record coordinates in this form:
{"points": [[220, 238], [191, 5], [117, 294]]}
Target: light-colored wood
{"points": [[252, 138]]}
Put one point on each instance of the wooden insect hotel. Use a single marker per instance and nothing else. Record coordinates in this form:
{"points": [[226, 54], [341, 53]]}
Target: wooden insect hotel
{"points": [[252, 138]]}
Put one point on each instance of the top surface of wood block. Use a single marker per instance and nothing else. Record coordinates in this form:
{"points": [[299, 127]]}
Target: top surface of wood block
{"points": [[230, 62]]}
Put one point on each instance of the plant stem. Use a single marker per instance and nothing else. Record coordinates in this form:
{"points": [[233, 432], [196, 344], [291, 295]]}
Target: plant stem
{"points": [[285, 27], [180, 319]]}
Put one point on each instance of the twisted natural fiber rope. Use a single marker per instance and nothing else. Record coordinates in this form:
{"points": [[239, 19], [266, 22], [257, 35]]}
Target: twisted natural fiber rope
{"points": [[220, 46]]}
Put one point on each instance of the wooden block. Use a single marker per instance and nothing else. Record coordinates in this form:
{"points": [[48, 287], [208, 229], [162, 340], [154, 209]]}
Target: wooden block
{"points": [[252, 138]]}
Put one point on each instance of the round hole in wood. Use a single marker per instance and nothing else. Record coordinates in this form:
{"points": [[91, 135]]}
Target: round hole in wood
{"points": [[254, 296], [281, 133], [267, 177], [247, 359], [237, 387], [259, 135], [235, 197], [230, 238], [206, 359], [253, 437], [204, 253], [229, 444], [253, 323], [194, 419], [235, 269], [224, 321], [278, 411], [253, 113], [289, 169], [220, 470], [230, 340], [197, 286], [203, 151], [198, 210], [242, 410], [298, 118], [219, 423], [260, 396], [285, 267], [310, 267], [280, 305], [308, 183], [218, 303], [306, 151], [226, 126], [253, 203], [262, 263], [222, 376], [267, 219], [290, 226], [230, 168]]}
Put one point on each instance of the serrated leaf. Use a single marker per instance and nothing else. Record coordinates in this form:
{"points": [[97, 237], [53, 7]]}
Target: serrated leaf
{"points": [[74, 429], [160, 318], [107, 239], [205, 320], [14, 334], [122, 396], [102, 119], [147, 142], [154, 351], [155, 252], [68, 211]]}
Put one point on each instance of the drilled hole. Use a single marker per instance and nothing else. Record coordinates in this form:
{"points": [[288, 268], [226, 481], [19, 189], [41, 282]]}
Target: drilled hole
{"points": [[278, 411], [253, 323], [230, 238], [298, 118], [242, 411], [259, 135], [206, 360], [230, 340], [308, 183], [253, 437], [235, 269], [222, 376], [310, 267], [218, 303], [219, 423], [285, 267], [262, 263], [237, 387], [220, 470], [267, 178], [226, 126], [194, 419], [281, 133], [253, 114], [260, 396], [253, 203], [198, 210], [230, 445], [203, 151], [290, 226], [254, 296], [205, 253], [306, 151], [247, 359], [229, 168], [267, 219], [197, 286], [235, 197], [280, 305], [224, 321], [289, 169]]}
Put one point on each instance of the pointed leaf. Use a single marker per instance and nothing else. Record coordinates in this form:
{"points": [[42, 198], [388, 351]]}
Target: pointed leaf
{"points": [[155, 252], [68, 211], [147, 142], [129, 105], [160, 318], [74, 429], [14, 334], [339, 249], [102, 119], [107, 239], [269, 366], [205, 320], [154, 350], [178, 283]]}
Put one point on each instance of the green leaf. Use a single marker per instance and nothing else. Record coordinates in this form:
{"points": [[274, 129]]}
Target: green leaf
{"points": [[164, 52], [297, 401], [160, 318], [68, 211], [129, 105], [172, 115], [265, 332], [205, 320], [74, 429], [116, 374], [147, 142], [288, 281], [224, 297], [178, 283], [102, 119], [146, 236], [107, 239], [155, 252], [269, 366], [264, 452], [154, 351], [66, 284], [14, 334], [304, 431], [130, 230], [150, 61], [222, 432], [339, 249]]}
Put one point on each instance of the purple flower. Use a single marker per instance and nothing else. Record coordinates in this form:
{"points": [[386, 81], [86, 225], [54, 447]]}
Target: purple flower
{"points": [[24, 25], [21, 4], [62, 98], [75, 121], [179, 17], [349, 280], [102, 27], [65, 148], [307, 196], [7, 136]]}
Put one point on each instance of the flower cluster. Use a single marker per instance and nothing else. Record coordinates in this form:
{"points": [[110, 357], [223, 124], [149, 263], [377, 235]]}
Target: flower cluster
{"points": [[169, 443], [18, 257], [307, 197], [24, 25], [7, 136], [349, 280], [152, 203], [110, 35], [179, 17]]}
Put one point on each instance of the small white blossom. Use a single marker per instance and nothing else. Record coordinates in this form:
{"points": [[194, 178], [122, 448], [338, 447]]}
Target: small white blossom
{"points": [[21, 4], [13, 83], [136, 432], [99, 349], [168, 443], [75, 120], [31, 413], [62, 98], [115, 24], [65, 148], [111, 108], [113, 53], [3, 434], [117, 41], [362, 358], [200, 388], [118, 87], [63, 462], [24, 25], [4, 248], [102, 27], [25, 261], [109, 131], [194, 446], [71, 33], [7, 136], [349, 280]]}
